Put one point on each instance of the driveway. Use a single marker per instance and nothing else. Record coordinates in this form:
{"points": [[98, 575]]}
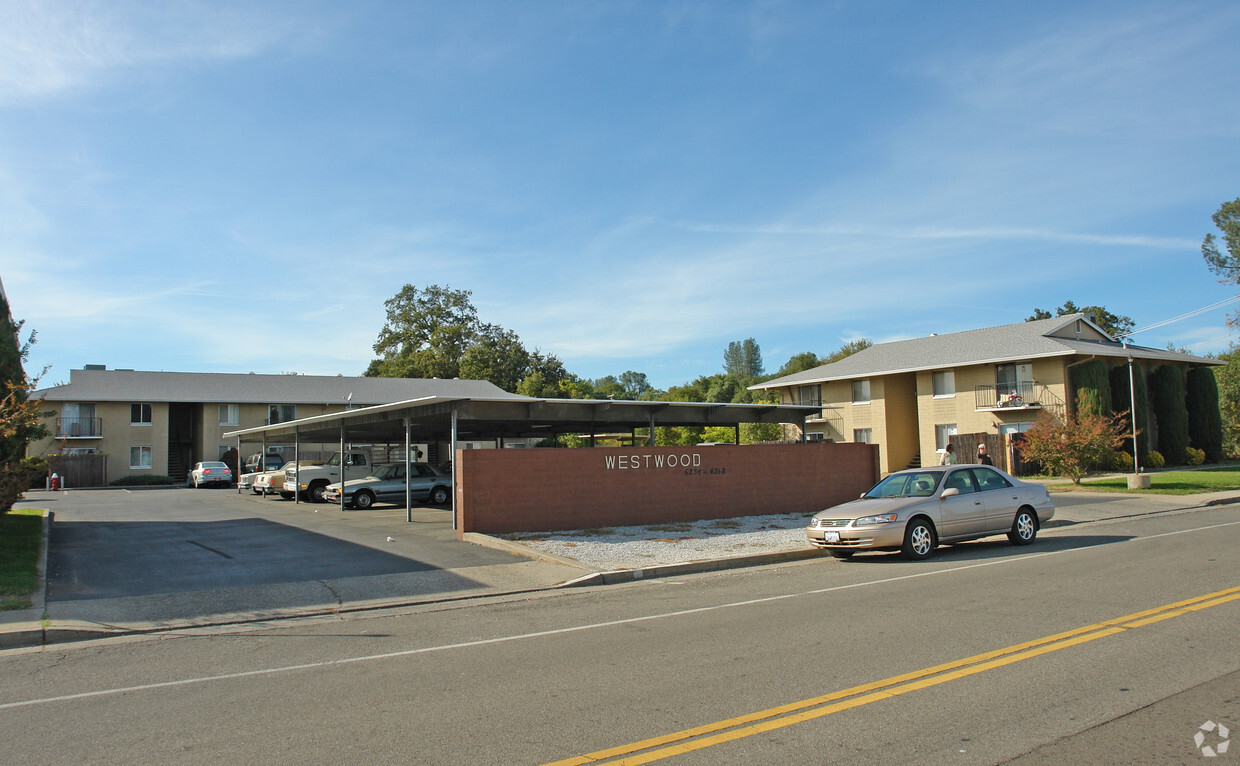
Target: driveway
{"points": [[156, 557]]}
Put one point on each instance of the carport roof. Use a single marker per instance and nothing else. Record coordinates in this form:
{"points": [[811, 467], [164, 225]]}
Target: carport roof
{"points": [[515, 417]]}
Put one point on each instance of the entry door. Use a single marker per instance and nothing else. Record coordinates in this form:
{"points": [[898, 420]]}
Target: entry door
{"points": [[963, 514]]}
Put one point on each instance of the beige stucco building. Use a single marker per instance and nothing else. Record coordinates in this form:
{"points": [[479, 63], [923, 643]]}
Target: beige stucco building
{"points": [[908, 397]]}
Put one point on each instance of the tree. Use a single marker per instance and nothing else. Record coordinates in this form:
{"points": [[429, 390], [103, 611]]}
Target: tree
{"points": [[20, 419], [1228, 378], [426, 333], [806, 360], [1205, 424], [848, 349], [498, 356], [1091, 388], [1120, 401], [1115, 325], [743, 359], [1074, 446], [1225, 265], [1167, 400]]}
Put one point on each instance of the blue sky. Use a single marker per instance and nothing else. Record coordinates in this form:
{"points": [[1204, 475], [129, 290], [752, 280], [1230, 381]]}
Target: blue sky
{"points": [[235, 187]]}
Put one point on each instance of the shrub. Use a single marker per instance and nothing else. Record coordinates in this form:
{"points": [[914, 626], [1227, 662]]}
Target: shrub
{"points": [[1194, 456], [1170, 411], [140, 480], [1092, 388], [1205, 421], [1120, 402], [1071, 448], [36, 468], [1121, 462], [1154, 459]]}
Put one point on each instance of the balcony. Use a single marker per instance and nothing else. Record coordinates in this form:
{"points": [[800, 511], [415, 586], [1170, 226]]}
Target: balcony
{"points": [[1027, 395], [79, 428], [828, 415]]}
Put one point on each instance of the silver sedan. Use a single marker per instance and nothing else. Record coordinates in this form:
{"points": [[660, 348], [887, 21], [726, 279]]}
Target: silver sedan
{"points": [[915, 510]]}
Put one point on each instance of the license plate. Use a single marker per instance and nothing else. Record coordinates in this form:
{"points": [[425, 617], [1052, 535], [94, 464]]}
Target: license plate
{"points": [[830, 537]]}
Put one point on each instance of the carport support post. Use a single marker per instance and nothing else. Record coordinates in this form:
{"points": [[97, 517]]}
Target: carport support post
{"points": [[262, 462], [454, 468], [240, 465], [651, 429], [738, 433], [296, 466], [408, 471], [341, 465]]}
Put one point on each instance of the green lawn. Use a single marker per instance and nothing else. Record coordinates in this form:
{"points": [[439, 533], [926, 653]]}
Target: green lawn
{"points": [[1169, 483], [20, 530]]}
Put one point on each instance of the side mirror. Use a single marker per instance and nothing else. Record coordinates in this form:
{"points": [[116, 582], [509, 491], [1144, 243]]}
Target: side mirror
{"points": [[950, 492]]}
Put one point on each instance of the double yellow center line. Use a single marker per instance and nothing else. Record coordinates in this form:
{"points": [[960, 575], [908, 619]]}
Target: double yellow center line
{"points": [[711, 734]]}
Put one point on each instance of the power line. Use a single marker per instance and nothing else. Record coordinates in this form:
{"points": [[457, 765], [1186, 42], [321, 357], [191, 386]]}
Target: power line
{"points": [[1189, 315]]}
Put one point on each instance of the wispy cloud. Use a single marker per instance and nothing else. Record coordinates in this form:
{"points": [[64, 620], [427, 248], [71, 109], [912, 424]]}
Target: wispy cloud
{"points": [[48, 47]]}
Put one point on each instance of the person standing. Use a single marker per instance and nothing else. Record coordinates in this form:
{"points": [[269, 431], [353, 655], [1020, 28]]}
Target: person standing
{"points": [[982, 457], [949, 456]]}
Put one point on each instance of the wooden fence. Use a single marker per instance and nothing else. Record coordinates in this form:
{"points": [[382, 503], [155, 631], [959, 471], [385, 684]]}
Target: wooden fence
{"points": [[79, 470]]}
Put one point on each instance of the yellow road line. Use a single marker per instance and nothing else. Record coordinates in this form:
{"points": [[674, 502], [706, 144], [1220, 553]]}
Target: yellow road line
{"points": [[792, 713]]}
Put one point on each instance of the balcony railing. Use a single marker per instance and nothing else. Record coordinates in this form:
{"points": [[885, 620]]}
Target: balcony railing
{"points": [[828, 415], [1027, 395], [79, 428]]}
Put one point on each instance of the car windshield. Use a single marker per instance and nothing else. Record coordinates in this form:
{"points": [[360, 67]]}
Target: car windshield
{"points": [[916, 484]]}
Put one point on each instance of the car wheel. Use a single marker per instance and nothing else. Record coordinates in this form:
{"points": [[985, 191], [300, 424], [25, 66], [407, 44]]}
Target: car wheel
{"points": [[439, 496], [363, 500], [919, 540], [1024, 527], [842, 554], [317, 491], [286, 495]]}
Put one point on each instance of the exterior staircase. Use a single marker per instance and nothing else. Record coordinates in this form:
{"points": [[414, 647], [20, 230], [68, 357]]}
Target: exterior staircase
{"points": [[915, 462]]}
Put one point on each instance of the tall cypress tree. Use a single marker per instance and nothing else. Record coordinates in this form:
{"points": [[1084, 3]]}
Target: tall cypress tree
{"points": [[1167, 401], [1205, 421], [1091, 388]]}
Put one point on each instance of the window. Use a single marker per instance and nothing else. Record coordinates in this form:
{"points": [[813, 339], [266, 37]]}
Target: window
{"points": [[961, 480], [811, 395], [941, 434], [863, 435], [140, 414], [230, 414], [814, 436], [140, 457], [988, 479], [281, 413], [945, 383], [861, 392]]}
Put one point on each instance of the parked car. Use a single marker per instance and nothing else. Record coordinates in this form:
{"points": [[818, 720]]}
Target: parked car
{"points": [[256, 464], [916, 509], [212, 472], [388, 486]]}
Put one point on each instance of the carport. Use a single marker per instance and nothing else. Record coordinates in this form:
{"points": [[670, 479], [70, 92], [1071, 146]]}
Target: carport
{"points": [[453, 419]]}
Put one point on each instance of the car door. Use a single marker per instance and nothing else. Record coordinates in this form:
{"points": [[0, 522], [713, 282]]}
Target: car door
{"points": [[423, 479], [963, 514], [1002, 499], [392, 488]]}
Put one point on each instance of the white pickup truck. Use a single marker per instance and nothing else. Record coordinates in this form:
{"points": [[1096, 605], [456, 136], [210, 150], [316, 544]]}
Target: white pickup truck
{"points": [[313, 479]]}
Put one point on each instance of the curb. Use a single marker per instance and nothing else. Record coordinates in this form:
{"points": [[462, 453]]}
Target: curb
{"points": [[693, 567]]}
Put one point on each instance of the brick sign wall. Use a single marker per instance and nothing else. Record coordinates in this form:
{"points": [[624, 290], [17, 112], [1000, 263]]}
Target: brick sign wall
{"points": [[512, 490]]}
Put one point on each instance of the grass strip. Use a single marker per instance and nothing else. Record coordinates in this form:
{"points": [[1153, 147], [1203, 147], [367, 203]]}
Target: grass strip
{"points": [[20, 532], [1167, 483]]}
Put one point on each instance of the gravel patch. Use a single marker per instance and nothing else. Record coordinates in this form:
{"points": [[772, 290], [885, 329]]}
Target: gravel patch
{"points": [[672, 543]]}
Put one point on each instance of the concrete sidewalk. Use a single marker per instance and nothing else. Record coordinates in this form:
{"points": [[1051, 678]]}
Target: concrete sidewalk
{"points": [[97, 618]]}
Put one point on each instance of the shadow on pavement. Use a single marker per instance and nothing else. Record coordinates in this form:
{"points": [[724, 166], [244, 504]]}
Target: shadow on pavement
{"points": [[998, 548]]}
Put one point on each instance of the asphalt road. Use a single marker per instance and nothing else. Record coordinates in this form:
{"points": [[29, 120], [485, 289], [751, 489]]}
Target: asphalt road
{"points": [[1108, 642]]}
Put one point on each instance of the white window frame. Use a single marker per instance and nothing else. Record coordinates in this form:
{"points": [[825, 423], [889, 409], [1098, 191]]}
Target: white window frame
{"points": [[815, 436], [140, 452], [230, 414], [144, 409], [948, 390], [864, 392], [863, 435], [810, 394], [943, 432]]}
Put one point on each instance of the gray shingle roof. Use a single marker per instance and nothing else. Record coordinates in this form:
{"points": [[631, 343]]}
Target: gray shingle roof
{"points": [[133, 386], [991, 345]]}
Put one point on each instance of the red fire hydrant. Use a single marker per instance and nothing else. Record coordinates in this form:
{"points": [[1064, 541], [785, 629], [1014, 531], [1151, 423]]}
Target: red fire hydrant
{"points": [[55, 482]]}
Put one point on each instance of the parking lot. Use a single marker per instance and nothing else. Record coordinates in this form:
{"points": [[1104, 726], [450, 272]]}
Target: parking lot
{"points": [[119, 557]]}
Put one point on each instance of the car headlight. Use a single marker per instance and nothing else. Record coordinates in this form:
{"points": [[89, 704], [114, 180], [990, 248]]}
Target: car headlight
{"points": [[866, 521]]}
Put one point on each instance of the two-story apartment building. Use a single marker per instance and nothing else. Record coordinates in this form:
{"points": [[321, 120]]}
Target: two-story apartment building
{"points": [[164, 422], [910, 396]]}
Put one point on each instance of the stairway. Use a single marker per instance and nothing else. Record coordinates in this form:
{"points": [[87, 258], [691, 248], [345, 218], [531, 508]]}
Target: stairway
{"points": [[915, 462]]}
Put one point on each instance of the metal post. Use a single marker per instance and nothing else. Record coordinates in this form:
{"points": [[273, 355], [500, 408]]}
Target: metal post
{"points": [[408, 470], [651, 430], [262, 462], [341, 466], [240, 465], [738, 433], [455, 473], [296, 466], [1132, 414]]}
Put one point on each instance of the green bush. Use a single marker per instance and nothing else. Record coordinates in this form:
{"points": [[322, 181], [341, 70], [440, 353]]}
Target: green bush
{"points": [[1121, 462], [1091, 388], [1167, 400], [1120, 403], [1154, 459], [37, 469], [1194, 456], [141, 480], [1205, 421]]}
